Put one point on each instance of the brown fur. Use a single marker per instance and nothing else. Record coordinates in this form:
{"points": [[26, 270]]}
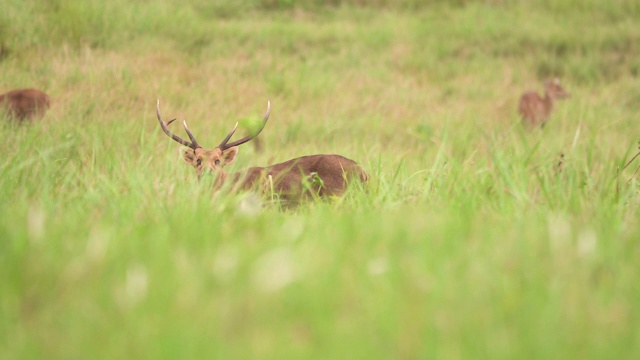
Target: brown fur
{"points": [[307, 176], [304, 177], [25, 104], [535, 109]]}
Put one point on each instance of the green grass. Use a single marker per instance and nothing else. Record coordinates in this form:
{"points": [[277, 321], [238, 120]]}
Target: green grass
{"points": [[474, 238]]}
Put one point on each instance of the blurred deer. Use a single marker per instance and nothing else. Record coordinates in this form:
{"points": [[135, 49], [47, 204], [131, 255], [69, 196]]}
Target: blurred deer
{"points": [[307, 176], [25, 104], [534, 109]]}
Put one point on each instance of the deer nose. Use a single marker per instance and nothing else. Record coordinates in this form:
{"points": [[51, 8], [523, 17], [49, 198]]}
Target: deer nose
{"points": [[207, 171]]}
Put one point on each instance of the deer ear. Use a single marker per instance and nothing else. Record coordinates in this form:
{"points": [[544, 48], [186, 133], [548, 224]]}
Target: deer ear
{"points": [[187, 154], [229, 155]]}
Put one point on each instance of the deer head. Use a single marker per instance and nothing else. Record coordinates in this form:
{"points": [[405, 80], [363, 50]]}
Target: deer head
{"points": [[555, 90], [209, 161]]}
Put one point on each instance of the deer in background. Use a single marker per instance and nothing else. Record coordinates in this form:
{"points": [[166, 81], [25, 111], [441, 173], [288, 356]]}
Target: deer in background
{"points": [[534, 109], [25, 104], [292, 180]]}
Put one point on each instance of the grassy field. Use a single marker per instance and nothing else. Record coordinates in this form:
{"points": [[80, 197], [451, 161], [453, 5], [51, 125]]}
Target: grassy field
{"points": [[475, 238]]}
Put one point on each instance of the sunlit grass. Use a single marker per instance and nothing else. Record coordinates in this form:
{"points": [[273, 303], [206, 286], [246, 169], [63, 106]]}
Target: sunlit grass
{"points": [[474, 237]]}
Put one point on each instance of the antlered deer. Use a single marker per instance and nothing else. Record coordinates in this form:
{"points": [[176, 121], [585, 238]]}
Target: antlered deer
{"points": [[313, 175], [534, 109], [25, 104]]}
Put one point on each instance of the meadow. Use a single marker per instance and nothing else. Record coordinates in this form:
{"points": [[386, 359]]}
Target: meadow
{"points": [[475, 238]]}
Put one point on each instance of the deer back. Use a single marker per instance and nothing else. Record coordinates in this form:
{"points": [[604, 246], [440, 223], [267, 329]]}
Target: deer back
{"points": [[534, 109], [25, 104], [320, 175]]}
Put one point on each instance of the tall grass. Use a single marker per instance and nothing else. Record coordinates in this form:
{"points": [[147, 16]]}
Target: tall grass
{"points": [[474, 238]]}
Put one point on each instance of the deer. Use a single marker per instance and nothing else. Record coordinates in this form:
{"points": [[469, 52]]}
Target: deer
{"points": [[534, 109], [311, 176], [25, 104]]}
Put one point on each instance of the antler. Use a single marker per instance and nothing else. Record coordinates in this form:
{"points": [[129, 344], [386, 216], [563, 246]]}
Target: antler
{"points": [[193, 144], [223, 145], [193, 138]]}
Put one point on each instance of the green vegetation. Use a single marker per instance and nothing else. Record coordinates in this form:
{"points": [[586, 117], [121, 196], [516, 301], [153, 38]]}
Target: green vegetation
{"points": [[474, 239]]}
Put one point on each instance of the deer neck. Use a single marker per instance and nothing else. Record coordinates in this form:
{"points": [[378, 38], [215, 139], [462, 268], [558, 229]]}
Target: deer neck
{"points": [[220, 179], [223, 178], [548, 102]]}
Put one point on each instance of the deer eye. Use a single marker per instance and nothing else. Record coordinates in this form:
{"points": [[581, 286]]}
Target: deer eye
{"points": [[199, 162], [217, 162]]}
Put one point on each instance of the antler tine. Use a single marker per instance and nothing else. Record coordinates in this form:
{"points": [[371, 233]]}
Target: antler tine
{"points": [[229, 135], [169, 133], [224, 145], [193, 138]]}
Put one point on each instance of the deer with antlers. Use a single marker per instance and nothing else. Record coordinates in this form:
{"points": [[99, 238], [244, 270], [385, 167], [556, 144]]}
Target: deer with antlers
{"points": [[25, 104], [303, 177]]}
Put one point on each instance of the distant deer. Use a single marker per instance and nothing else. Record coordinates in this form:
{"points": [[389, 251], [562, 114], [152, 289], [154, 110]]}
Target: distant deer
{"points": [[25, 104], [307, 176], [534, 109]]}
